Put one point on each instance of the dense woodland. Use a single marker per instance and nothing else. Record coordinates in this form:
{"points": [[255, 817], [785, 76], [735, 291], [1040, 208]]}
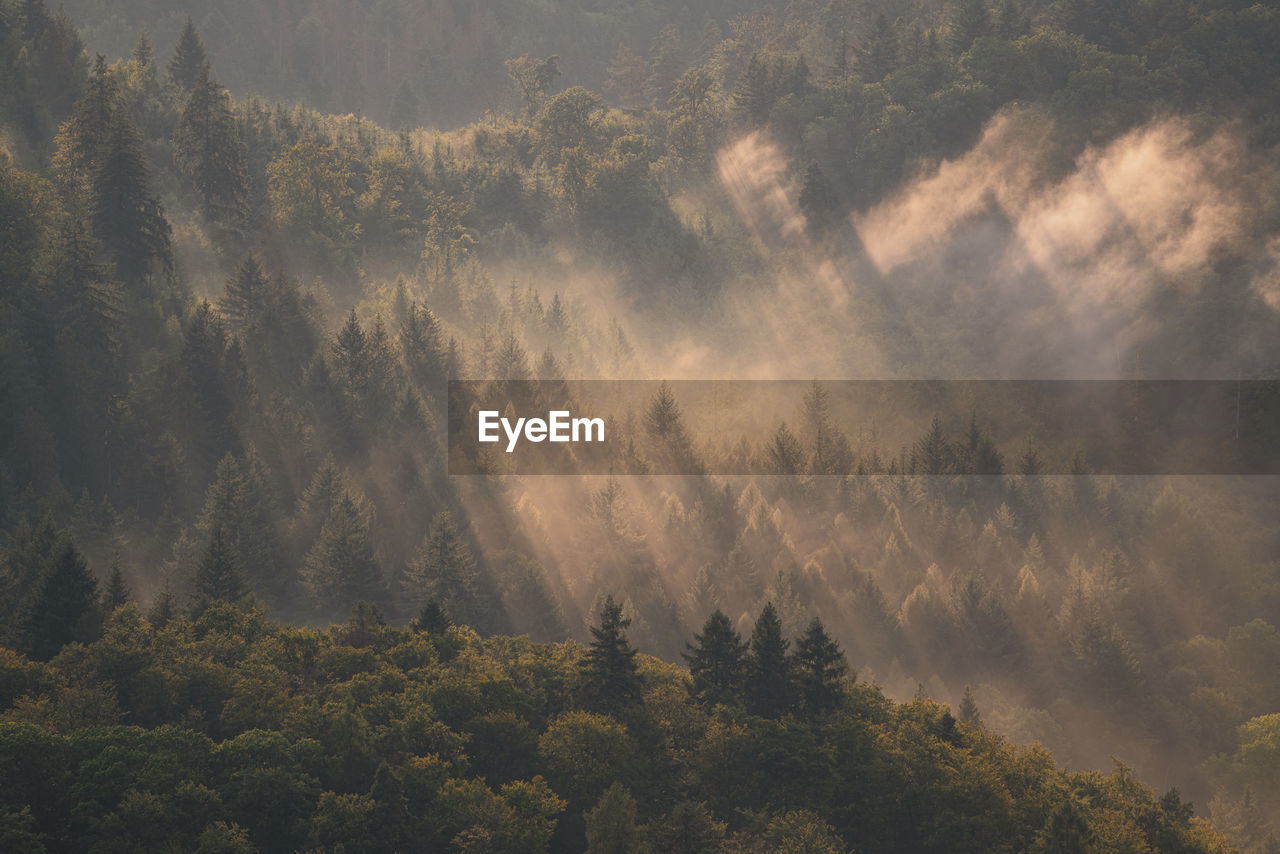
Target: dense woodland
{"points": [[244, 606]]}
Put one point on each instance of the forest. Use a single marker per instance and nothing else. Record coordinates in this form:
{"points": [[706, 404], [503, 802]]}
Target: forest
{"points": [[244, 605]]}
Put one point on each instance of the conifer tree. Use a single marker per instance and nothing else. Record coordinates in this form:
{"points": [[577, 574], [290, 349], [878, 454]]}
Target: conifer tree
{"points": [[432, 619], [819, 666], [341, 568], [163, 607], [188, 57], [970, 22], [608, 669], [127, 216], [117, 592], [61, 607], [969, 713], [717, 661], [209, 151], [218, 577], [246, 293], [768, 668], [444, 571]]}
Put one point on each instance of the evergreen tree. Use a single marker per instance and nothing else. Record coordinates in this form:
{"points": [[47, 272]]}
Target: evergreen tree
{"points": [[608, 668], [717, 662], [768, 667], [432, 619], [82, 138], [164, 606], [819, 666], [143, 53], [209, 151], [61, 607], [753, 98], [970, 22], [444, 571], [218, 577], [422, 348], [818, 200], [117, 592], [969, 708], [239, 501], [341, 568], [880, 56], [128, 218], [246, 293], [188, 58]]}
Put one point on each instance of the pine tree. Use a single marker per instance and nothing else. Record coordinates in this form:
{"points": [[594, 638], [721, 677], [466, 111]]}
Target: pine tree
{"points": [[717, 662], [818, 200], [117, 592], [128, 218], [163, 607], [768, 667], [880, 56], [218, 577], [432, 619], [970, 22], [341, 568], [819, 667], [423, 349], [82, 138], [143, 54], [246, 293], [239, 501], [188, 58], [61, 607], [969, 713], [209, 151], [753, 99], [608, 669], [444, 571]]}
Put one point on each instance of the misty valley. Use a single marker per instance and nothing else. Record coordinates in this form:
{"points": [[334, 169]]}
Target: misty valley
{"points": [[727, 426]]}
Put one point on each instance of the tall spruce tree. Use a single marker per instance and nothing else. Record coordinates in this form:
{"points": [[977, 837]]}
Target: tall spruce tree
{"points": [[717, 662], [341, 568], [117, 592], [819, 667], [769, 668], [218, 577], [209, 151], [444, 571], [62, 606], [608, 669], [188, 58], [127, 216]]}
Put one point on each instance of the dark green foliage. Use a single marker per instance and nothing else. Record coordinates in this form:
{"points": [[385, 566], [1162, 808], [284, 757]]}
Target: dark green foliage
{"points": [[188, 61], [127, 216], [432, 619], [717, 662], [769, 678], [117, 591], [62, 605], [819, 668], [609, 675], [341, 567], [208, 149], [444, 571], [219, 577]]}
